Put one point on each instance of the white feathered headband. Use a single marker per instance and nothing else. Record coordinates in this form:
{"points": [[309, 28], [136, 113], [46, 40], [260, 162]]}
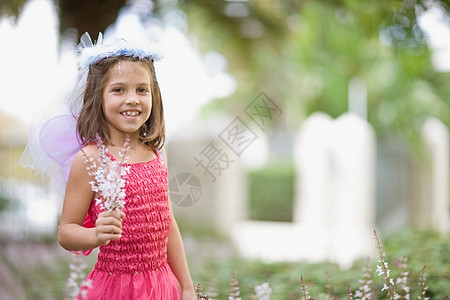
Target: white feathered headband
{"points": [[90, 54]]}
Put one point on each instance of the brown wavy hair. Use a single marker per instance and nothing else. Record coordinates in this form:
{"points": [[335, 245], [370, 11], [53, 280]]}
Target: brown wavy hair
{"points": [[92, 121]]}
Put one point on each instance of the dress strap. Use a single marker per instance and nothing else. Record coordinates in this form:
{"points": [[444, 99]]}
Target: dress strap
{"points": [[109, 154], [160, 155]]}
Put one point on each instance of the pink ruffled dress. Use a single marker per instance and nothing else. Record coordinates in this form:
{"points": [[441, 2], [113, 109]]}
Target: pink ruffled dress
{"points": [[135, 267]]}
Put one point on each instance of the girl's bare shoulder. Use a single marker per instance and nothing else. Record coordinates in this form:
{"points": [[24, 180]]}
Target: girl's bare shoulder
{"points": [[91, 150], [84, 154]]}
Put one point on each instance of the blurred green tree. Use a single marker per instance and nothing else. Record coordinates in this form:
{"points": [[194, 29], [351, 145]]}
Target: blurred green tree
{"points": [[93, 16], [303, 54]]}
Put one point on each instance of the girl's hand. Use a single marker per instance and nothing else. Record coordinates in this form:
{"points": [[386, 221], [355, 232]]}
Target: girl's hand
{"points": [[108, 227], [188, 295]]}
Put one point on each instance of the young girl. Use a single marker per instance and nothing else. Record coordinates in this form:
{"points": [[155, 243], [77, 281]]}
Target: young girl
{"points": [[141, 252]]}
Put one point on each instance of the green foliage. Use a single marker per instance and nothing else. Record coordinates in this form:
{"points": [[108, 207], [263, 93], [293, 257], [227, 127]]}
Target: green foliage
{"points": [[306, 66], [326, 279], [11, 8], [271, 192], [423, 248], [4, 202]]}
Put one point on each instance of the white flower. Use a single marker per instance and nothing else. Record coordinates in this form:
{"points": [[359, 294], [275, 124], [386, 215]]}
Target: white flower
{"points": [[263, 291], [109, 182], [380, 270], [75, 284]]}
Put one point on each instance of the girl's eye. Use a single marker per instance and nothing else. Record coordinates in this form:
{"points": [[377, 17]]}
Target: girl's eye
{"points": [[118, 90], [142, 90]]}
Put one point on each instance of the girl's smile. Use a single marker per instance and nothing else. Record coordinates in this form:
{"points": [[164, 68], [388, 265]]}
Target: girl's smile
{"points": [[130, 113]]}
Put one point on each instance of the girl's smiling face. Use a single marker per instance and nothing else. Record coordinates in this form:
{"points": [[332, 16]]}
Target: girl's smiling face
{"points": [[127, 98]]}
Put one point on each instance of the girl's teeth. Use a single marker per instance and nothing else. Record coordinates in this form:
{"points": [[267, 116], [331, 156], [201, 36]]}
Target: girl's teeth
{"points": [[130, 113]]}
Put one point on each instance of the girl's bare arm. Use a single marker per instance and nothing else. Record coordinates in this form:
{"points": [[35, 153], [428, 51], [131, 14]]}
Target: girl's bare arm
{"points": [[72, 235], [178, 262]]}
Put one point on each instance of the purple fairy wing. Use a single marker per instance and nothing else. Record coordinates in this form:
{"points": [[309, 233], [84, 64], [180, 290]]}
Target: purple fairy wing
{"points": [[51, 148], [60, 142]]}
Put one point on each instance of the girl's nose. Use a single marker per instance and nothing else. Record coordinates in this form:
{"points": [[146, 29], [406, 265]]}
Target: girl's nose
{"points": [[132, 100]]}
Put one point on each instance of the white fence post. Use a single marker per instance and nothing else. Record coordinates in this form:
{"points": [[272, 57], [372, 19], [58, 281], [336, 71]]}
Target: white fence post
{"points": [[312, 160], [435, 201], [335, 161], [353, 189], [314, 170]]}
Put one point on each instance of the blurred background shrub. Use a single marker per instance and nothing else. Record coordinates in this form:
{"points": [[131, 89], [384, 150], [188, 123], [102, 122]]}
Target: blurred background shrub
{"points": [[271, 192]]}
